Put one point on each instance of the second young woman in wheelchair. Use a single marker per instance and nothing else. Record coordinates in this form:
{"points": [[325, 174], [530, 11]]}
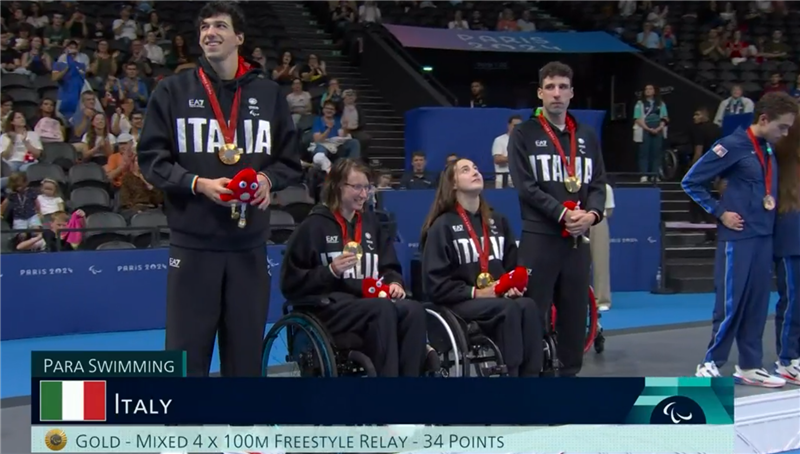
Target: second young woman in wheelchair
{"points": [[332, 251], [462, 240]]}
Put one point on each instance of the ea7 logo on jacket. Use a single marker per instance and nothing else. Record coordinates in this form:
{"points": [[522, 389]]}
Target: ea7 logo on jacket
{"points": [[202, 135]]}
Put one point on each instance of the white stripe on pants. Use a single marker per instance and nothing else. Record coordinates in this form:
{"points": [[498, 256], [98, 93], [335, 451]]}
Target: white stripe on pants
{"points": [[600, 247]]}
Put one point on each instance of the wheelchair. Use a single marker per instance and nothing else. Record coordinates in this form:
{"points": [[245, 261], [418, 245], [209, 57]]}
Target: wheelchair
{"points": [[298, 345], [594, 334]]}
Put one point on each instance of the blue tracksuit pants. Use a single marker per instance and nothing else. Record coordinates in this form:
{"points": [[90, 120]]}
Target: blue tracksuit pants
{"points": [[787, 313], [742, 278]]}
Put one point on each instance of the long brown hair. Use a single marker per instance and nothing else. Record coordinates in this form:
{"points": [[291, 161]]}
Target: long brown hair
{"points": [[337, 178], [787, 153], [445, 200]]}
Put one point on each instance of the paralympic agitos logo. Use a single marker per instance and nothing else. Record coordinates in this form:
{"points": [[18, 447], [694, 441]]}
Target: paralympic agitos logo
{"points": [[677, 410]]}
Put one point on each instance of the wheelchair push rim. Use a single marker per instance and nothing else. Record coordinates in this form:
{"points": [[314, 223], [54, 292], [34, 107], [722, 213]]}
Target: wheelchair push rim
{"points": [[592, 321], [298, 347]]}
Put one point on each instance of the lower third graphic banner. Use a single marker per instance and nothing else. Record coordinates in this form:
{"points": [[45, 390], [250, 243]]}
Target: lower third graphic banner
{"points": [[380, 401], [476, 40]]}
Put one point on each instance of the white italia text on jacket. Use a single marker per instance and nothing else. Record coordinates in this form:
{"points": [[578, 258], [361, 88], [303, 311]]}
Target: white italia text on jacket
{"points": [[468, 253], [203, 135], [549, 168]]}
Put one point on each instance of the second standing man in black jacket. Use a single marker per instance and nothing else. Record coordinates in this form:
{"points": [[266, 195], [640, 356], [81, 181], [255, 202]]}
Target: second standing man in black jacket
{"points": [[553, 160], [202, 128]]}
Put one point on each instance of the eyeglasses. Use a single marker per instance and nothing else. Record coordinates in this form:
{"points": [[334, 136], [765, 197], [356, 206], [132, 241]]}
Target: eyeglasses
{"points": [[358, 187]]}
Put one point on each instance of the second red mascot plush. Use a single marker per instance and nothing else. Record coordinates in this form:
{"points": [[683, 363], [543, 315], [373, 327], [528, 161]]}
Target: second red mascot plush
{"points": [[244, 187]]}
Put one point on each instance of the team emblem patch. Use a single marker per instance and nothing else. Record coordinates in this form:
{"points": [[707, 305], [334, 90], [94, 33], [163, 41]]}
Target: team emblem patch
{"points": [[719, 150]]}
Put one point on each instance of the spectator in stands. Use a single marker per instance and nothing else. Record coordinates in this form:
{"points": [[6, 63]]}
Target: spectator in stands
{"points": [[77, 26], [258, 56], [669, 42], [795, 92], [10, 58], [21, 203], [775, 84], [286, 72], [56, 34], [125, 28], [37, 20], [776, 48], [507, 22], [52, 239], [121, 162], [98, 143], [179, 57], [111, 96], [500, 153], [136, 125], [650, 114], [139, 57], [299, 101], [69, 71], [23, 40], [353, 120], [333, 94], [331, 138], [155, 26], [104, 63], [153, 51], [122, 117], [713, 48], [477, 95], [101, 32], [525, 23], [737, 50], [458, 22], [49, 126], [648, 38], [82, 118], [314, 72], [734, 105], [36, 60], [6, 106], [342, 17], [49, 201], [728, 14], [384, 180], [369, 13], [133, 86], [450, 159], [476, 21], [418, 177], [136, 194], [20, 148]]}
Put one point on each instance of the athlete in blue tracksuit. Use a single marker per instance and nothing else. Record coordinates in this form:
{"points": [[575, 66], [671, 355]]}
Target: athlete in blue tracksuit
{"points": [[743, 268], [787, 313]]}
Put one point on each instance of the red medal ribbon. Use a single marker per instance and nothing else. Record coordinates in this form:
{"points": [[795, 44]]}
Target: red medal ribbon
{"points": [[228, 129], [573, 147], [343, 224], [483, 253], [766, 163]]}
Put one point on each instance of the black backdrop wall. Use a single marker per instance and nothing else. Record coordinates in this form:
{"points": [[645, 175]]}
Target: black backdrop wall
{"points": [[602, 81]]}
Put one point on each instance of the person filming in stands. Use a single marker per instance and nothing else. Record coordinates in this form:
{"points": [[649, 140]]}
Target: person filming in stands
{"points": [[466, 248], [200, 132], [557, 167], [787, 256], [329, 255], [746, 214]]}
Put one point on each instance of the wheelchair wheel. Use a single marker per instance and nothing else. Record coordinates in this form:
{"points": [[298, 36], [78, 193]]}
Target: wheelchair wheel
{"points": [[486, 357], [449, 341], [358, 364], [591, 322], [669, 168], [551, 362], [297, 346]]}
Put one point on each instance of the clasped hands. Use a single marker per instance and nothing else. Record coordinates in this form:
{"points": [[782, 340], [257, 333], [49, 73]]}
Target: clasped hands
{"points": [[489, 292], [213, 189], [577, 222]]}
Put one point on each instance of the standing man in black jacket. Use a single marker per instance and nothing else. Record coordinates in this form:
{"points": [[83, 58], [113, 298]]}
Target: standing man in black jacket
{"points": [[554, 160], [202, 128]]}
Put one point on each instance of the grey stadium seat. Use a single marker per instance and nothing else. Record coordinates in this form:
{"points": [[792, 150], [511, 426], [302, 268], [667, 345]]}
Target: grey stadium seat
{"points": [[89, 174], [105, 220], [282, 224], [90, 200]]}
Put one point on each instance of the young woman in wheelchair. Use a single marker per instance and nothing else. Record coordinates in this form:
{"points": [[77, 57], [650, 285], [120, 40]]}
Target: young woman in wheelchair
{"points": [[330, 254], [467, 247]]}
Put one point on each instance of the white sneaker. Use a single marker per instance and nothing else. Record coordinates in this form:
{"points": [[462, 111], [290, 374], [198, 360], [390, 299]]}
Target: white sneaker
{"points": [[602, 307], [790, 373], [707, 370], [643, 180], [757, 377]]}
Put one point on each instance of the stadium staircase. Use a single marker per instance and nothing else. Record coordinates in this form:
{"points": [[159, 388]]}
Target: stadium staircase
{"points": [[383, 123]]}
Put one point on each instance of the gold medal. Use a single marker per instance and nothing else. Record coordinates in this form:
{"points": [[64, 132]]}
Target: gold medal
{"points": [[229, 154], [485, 280], [354, 248], [769, 202], [573, 184], [234, 213], [242, 223]]}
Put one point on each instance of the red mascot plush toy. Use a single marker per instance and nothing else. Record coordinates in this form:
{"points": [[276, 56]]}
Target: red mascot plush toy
{"points": [[572, 206], [374, 288], [516, 278], [244, 186]]}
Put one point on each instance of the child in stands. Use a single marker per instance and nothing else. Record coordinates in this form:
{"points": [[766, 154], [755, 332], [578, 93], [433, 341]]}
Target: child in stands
{"points": [[52, 239], [21, 203], [49, 201]]}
